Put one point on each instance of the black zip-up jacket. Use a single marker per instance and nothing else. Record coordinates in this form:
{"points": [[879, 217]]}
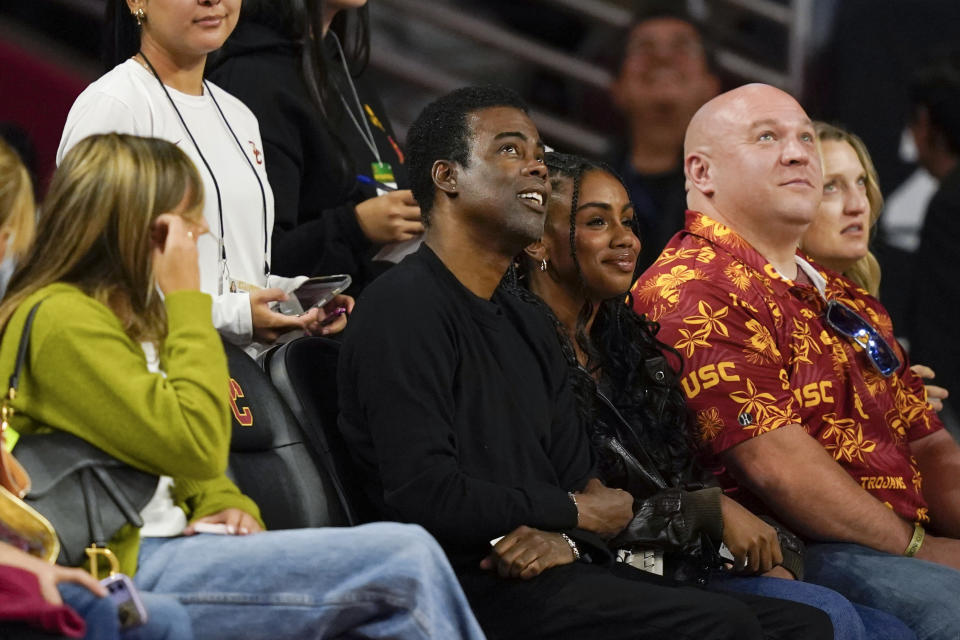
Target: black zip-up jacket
{"points": [[313, 173]]}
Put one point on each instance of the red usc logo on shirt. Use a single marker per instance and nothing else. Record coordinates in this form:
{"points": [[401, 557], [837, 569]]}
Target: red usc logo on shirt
{"points": [[242, 414], [257, 154]]}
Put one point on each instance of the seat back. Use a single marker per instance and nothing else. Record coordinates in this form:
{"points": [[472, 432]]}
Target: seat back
{"points": [[305, 373], [269, 458]]}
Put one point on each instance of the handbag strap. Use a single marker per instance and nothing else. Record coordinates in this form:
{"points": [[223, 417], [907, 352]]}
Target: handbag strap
{"points": [[13, 477], [22, 352], [89, 476]]}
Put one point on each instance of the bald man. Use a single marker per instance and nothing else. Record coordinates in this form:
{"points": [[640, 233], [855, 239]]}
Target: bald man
{"points": [[805, 404]]}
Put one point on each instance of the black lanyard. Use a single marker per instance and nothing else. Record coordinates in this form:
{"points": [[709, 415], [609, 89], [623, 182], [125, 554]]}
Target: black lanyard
{"points": [[366, 133], [216, 185]]}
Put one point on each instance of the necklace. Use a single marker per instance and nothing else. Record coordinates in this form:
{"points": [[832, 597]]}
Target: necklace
{"points": [[363, 128], [221, 247]]}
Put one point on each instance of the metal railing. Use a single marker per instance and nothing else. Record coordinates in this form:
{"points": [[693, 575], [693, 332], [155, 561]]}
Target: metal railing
{"points": [[793, 15]]}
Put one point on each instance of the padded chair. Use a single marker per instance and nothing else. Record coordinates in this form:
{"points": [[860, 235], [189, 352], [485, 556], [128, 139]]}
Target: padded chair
{"points": [[269, 458], [305, 373]]}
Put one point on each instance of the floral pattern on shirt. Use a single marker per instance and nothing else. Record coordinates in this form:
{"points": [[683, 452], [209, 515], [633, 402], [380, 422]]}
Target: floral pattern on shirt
{"points": [[758, 355]]}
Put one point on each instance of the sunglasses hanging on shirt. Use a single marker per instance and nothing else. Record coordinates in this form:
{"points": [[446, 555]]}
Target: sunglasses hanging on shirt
{"points": [[852, 326]]}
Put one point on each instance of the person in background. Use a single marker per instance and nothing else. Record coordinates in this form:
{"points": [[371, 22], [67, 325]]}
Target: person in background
{"points": [[665, 74], [630, 395], [327, 140], [935, 124], [839, 236], [804, 400], [157, 89], [17, 208], [124, 355]]}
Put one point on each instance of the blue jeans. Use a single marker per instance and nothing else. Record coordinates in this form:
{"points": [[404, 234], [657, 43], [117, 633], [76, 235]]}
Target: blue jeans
{"points": [[925, 595], [381, 580], [850, 621], [166, 618]]}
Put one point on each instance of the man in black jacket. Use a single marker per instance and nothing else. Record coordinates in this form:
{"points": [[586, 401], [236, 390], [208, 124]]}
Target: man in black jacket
{"points": [[457, 408], [935, 124]]}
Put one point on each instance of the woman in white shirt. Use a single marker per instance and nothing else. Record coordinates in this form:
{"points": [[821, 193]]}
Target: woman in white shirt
{"points": [[158, 90]]}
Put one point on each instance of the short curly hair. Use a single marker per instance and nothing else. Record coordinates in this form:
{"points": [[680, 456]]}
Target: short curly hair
{"points": [[441, 132]]}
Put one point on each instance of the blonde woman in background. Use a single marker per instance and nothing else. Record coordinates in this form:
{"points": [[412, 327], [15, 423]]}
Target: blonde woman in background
{"points": [[17, 209], [839, 236]]}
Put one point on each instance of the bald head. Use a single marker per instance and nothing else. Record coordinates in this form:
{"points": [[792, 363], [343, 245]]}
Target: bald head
{"points": [[751, 162], [735, 107]]}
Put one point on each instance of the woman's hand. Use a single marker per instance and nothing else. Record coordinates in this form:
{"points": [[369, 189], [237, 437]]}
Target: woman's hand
{"points": [[603, 510], [238, 522], [392, 217], [935, 395], [526, 552], [753, 543], [174, 244], [779, 572], [268, 325], [334, 317], [49, 575]]}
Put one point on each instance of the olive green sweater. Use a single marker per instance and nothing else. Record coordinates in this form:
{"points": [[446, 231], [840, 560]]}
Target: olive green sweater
{"points": [[87, 377]]}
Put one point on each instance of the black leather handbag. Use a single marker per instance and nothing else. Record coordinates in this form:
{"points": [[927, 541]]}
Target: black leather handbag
{"points": [[85, 493]]}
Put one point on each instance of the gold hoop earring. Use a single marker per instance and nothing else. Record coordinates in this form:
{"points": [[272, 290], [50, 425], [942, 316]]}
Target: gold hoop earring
{"points": [[140, 16], [543, 264]]}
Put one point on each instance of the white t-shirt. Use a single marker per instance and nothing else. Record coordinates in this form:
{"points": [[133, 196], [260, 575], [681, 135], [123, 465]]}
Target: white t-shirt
{"points": [[129, 99]]}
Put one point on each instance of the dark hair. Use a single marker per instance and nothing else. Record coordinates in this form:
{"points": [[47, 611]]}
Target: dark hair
{"points": [[644, 10], [623, 347], [936, 87], [441, 132], [296, 20], [121, 35]]}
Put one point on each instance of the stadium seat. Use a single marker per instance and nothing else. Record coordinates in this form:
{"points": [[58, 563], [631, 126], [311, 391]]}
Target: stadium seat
{"points": [[269, 458], [304, 371]]}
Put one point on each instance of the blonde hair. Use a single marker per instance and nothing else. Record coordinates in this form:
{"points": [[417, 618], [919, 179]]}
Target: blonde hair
{"points": [[17, 207], [95, 227], [865, 271]]}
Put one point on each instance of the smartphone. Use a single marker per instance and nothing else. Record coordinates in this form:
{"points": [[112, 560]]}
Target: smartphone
{"points": [[210, 527], [130, 610], [315, 292]]}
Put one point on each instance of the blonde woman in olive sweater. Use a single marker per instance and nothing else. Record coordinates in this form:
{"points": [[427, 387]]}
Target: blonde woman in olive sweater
{"points": [[124, 354]]}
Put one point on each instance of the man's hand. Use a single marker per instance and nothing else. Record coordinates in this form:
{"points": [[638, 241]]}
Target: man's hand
{"points": [[526, 552], [268, 325], [238, 522], [753, 543], [602, 510], [49, 575], [935, 395], [940, 550], [392, 217]]}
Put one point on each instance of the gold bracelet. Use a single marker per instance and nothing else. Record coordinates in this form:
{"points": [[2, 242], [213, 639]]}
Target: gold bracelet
{"points": [[915, 541]]}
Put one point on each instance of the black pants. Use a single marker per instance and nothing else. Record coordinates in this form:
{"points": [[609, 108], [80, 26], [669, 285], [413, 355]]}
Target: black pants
{"points": [[587, 601]]}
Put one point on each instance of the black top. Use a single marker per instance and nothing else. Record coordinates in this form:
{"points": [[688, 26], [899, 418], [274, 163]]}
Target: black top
{"points": [[660, 204], [459, 410], [936, 293], [313, 172]]}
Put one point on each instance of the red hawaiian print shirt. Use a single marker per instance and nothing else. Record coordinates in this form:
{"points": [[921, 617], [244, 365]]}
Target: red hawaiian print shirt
{"points": [[759, 355]]}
